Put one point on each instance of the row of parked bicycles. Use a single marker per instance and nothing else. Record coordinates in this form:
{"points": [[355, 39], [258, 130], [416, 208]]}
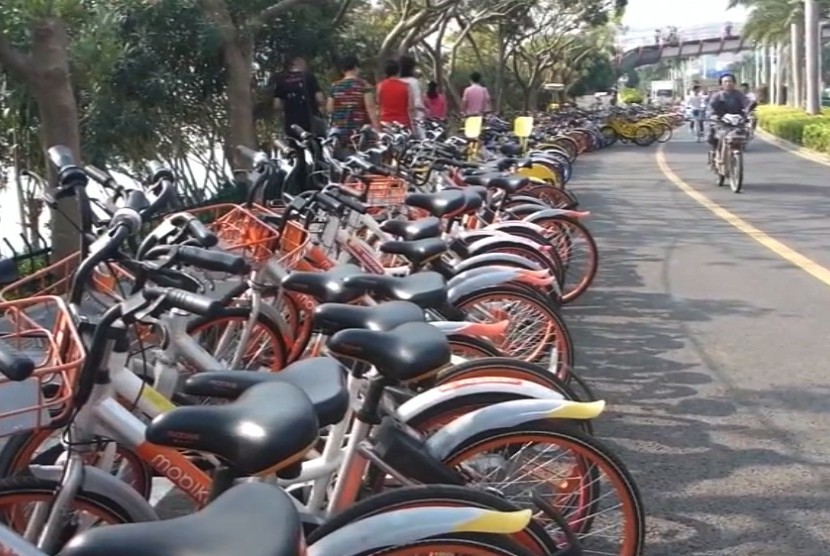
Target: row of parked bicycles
{"points": [[367, 357]]}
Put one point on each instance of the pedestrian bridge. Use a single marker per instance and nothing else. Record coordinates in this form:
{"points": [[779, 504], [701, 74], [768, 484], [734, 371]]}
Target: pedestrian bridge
{"points": [[652, 54]]}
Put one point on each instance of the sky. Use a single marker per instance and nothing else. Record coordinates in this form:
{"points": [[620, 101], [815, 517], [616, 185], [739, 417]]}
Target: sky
{"points": [[653, 14]]}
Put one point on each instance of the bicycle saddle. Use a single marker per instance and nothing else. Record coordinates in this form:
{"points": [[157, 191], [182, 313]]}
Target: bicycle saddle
{"points": [[331, 318], [509, 184], [413, 230], [416, 252], [427, 290], [321, 378], [267, 428], [441, 205], [469, 190], [405, 353], [254, 519], [325, 287]]}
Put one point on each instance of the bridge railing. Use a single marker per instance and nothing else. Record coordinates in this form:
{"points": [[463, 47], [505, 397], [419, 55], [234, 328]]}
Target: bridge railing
{"points": [[688, 34]]}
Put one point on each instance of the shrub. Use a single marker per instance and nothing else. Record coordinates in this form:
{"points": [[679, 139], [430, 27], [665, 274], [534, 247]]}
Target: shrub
{"points": [[790, 123], [817, 136]]}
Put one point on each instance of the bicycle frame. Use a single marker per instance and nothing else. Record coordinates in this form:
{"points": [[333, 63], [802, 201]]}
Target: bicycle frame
{"points": [[11, 544]]}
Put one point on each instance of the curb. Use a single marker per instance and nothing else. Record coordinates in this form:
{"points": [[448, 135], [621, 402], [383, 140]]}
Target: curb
{"points": [[797, 150]]}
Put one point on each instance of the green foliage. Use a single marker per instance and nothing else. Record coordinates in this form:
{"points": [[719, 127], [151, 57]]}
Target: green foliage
{"points": [[792, 124], [817, 137], [597, 74], [630, 95]]}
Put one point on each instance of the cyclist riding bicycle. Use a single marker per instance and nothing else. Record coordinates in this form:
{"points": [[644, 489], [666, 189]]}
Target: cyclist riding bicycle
{"points": [[750, 96], [728, 100], [695, 105]]}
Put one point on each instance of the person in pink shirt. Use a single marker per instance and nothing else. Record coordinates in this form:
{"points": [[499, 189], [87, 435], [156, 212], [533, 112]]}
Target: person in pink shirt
{"points": [[435, 102], [476, 98]]}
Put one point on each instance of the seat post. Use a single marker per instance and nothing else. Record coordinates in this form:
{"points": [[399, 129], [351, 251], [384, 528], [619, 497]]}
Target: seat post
{"points": [[369, 410], [223, 479]]}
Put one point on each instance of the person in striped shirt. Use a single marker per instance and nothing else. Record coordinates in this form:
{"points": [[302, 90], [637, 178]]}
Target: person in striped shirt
{"points": [[352, 100]]}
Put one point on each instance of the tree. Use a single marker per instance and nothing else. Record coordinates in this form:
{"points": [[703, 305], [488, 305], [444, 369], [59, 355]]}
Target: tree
{"points": [[549, 38], [239, 25], [34, 49]]}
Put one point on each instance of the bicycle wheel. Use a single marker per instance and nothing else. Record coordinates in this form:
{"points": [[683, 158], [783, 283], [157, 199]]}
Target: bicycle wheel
{"points": [[536, 331], [26, 448], [265, 346], [472, 348], [580, 490], [736, 174], [577, 251], [471, 544], [534, 537], [89, 508]]}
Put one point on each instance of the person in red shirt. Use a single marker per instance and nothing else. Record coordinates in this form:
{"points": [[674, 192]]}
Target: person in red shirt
{"points": [[435, 102], [393, 98]]}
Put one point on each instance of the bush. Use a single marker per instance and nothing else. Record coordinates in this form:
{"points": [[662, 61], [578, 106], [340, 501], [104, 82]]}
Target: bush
{"points": [[631, 96], [817, 136], [791, 124]]}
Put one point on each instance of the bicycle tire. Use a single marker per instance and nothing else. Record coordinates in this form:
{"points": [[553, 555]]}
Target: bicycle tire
{"points": [[263, 320], [587, 278], [562, 335], [463, 346], [564, 432], [475, 544], [440, 495], [14, 458], [41, 490]]}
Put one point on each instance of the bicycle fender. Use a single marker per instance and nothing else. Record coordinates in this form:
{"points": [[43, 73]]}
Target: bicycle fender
{"points": [[506, 415], [547, 213], [105, 485], [493, 259], [475, 272], [410, 525], [519, 226], [504, 238], [468, 237], [529, 200], [458, 389], [493, 276]]}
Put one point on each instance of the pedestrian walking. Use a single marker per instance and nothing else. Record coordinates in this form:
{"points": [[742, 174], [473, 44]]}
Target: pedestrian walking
{"points": [[297, 93], [435, 102], [352, 100], [476, 98], [417, 114], [394, 102]]}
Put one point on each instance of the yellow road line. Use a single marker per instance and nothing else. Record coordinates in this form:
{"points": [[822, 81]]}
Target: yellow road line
{"points": [[817, 271]]}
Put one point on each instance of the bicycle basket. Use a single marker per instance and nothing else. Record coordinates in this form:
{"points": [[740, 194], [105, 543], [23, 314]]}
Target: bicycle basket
{"points": [[242, 230], [382, 191], [108, 282], [294, 245], [42, 329]]}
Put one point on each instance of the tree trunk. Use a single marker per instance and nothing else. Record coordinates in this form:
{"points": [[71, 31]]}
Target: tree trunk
{"points": [[239, 63], [500, 61], [796, 95], [52, 88]]}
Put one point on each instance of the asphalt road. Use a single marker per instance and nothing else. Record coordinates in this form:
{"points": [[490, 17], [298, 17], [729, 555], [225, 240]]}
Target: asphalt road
{"points": [[712, 349]]}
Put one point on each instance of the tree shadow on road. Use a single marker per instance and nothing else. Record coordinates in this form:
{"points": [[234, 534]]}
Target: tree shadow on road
{"points": [[635, 347]]}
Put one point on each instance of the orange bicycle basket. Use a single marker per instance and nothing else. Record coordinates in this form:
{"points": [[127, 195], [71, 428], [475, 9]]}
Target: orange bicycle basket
{"points": [[381, 191], [109, 280], [295, 243], [241, 230], [42, 329]]}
